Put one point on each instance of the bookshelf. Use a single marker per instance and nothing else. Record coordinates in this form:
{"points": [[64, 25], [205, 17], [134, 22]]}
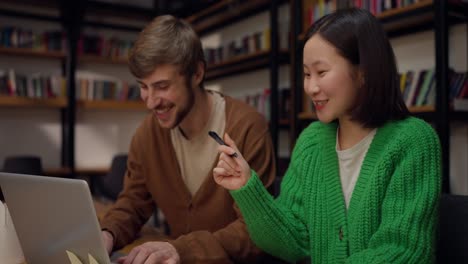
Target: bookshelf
{"points": [[101, 60], [43, 111], [25, 52], [226, 13], [243, 63], [17, 101], [76, 16], [421, 16], [111, 105], [64, 172]]}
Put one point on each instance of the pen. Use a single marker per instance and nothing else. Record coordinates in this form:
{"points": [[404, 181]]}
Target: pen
{"points": [[220, 141]]}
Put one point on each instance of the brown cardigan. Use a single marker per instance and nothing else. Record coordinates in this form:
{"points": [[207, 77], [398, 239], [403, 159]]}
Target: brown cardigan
{"points": [[206, 228]]}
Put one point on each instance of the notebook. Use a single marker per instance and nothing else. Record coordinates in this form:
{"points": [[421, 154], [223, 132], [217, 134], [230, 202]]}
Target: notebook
{"points": [[51, 216]]}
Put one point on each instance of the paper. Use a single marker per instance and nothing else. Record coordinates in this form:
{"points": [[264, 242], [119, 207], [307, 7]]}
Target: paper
{"points": [[75, 260], [10, 249], [92, 260]]}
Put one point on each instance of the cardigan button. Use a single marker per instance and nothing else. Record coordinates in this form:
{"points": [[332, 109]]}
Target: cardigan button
{"points": [[340, 234]]}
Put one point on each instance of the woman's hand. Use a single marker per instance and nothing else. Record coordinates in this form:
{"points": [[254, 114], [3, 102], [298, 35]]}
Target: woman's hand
{"points": [[231, 172]]}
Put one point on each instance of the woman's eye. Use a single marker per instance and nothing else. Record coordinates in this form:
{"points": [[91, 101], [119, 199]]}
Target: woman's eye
{"points": [[322, 73], [307, 75]]}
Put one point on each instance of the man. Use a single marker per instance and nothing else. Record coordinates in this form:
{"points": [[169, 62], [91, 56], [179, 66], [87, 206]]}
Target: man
{"points": [[171, 156]]}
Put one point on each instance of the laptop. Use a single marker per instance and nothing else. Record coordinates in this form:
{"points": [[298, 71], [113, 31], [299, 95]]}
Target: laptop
{"points": [[52, 215]]}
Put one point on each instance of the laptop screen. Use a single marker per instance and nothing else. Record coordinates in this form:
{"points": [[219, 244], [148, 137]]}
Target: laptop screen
{"points": [[52, 215]]}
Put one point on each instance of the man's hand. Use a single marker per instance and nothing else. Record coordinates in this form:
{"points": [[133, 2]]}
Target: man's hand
{"points": [[152, 253], [108, 241]]}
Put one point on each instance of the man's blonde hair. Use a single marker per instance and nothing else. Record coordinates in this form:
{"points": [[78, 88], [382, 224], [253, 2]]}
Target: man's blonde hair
{"points": [[166, 40]]}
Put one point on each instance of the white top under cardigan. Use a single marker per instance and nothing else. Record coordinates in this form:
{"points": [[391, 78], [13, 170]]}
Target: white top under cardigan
{"points": [[350, 161]]}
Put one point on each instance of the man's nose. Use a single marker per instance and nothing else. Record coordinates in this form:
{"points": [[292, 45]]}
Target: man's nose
{"points": [[153, 99]]}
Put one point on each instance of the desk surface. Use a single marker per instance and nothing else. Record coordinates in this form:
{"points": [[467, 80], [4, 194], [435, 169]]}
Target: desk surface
{"points": [[147, 233]]}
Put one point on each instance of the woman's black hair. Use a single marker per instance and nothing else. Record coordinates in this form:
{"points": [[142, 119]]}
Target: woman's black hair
{"points": [[359, 37]]}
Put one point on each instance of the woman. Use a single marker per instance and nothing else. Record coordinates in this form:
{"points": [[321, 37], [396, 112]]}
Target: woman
{"points": [[363, 183]]}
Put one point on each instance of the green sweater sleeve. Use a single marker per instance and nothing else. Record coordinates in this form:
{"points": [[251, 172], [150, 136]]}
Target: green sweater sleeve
{"points": [[409, 208], [275, 226]]}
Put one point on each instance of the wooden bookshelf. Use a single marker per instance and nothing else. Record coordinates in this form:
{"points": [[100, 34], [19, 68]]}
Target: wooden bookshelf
{"points": [[307, 116], [242, 63], [51, 4], [111, 105], [57, 172], [284, 122], [32, 53], [208, 11], [237, 60], [120, 10], [403, 18], [398, 11], [422, 109], [224, 13], [17, 101], [92, 171], [101, 60], [64, 172]]}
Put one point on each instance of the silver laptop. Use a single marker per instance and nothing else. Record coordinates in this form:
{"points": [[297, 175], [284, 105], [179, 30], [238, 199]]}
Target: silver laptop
{"points": [[52, 215]]}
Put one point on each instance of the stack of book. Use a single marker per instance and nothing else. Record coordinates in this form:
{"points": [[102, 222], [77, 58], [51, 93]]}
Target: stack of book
{"points": [[418, 87], [459, 90], [104, 47], [94, 86], [315, 9], [32, 86], [14, 37], [248, 44]]}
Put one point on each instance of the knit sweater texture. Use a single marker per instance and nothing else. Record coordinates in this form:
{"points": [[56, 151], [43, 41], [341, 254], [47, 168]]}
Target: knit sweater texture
{"points": [[392, 215]]}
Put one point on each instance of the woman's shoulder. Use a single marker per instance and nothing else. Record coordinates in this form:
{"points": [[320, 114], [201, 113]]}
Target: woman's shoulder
{"points": [[316, 133], [409, 132], [413, 127]]}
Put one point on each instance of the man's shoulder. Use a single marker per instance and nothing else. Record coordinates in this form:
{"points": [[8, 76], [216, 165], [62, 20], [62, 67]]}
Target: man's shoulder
{"points": [[237, 110], [148, 126]]}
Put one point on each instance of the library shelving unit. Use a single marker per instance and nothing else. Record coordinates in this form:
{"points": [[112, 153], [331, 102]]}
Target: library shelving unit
{"points": [[243, 63], [101, 60], [111, 105], [436, 15], [26, 52], [16, 102], [71, 17], [227, 12], [86, 18], [19, 101]]}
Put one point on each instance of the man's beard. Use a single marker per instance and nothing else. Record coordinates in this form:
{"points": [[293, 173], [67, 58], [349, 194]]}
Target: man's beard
{"points": [[180, 116]]}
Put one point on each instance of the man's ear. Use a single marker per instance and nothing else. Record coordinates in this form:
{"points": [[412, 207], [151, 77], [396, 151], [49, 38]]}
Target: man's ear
{"points": [[199, 73]]}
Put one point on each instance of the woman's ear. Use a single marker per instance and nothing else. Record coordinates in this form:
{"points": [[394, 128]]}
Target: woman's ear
{"points": [[360, 78]]}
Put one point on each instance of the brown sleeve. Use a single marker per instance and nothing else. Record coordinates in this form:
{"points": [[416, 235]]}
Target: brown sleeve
{"points": [[134, 205], [233, 242]]}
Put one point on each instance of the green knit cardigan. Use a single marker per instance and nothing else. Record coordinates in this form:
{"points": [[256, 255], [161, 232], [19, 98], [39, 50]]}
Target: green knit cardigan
{"points": [[392, 215]]}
